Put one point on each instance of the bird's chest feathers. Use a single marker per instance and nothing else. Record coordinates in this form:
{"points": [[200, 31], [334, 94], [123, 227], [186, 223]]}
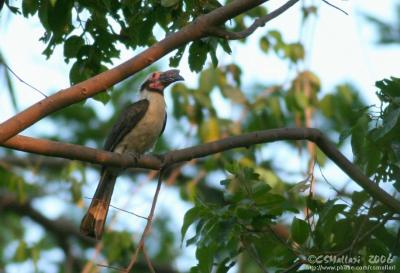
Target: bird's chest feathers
{"points": [[146, 132]]}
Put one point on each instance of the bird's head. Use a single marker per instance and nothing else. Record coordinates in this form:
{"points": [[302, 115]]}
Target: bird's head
{"points": [[157, 81]]}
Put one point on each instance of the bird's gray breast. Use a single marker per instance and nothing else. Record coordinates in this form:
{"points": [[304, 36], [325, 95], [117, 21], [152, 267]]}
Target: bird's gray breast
{"points": [[146, 132]]}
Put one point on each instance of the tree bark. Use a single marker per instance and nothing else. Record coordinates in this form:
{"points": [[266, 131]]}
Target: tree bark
{"points": [[77, 152]]}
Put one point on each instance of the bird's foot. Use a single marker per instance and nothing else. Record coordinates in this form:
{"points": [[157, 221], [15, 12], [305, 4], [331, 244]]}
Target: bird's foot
{"points": [[135, 155], [160, 157]]}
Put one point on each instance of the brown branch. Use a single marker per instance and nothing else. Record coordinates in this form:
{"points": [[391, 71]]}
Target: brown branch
{"points": [[332, 5], [147, 227], [148, 261], [57, 149], [259, 22], [101, 82]]}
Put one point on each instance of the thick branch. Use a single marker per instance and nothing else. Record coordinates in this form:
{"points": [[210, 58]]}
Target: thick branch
{"points": [[102, 81], [57, 149], [260, 22]]}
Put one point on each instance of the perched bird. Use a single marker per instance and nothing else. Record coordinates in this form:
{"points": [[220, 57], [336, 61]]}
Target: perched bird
{"points": [[135, 131]]}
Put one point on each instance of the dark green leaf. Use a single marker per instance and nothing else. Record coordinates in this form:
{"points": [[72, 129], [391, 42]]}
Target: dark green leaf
{"points": [[175, 60], [390, 122], [205, 256], [225, 45], [197, 55], [358, 139], [72, 46], [299, 230], [102, 97], [190, 216], [30, 7]]}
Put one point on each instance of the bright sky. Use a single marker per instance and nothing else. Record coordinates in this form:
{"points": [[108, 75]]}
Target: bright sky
{"points": [[341, 50]]}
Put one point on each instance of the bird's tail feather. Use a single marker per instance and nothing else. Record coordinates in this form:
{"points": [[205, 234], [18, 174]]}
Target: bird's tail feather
{"points": [[93, 222]]}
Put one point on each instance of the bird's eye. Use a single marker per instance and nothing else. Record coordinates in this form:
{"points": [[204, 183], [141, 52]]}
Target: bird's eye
{"points": [[153, 76]]}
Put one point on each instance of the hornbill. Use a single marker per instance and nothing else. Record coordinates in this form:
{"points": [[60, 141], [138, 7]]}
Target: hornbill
{"points": [[135, 131]]}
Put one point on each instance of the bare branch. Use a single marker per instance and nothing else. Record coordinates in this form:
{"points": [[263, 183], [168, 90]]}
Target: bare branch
{"points": [[260, 22], [148, 226], [336, 7], [148, 261], [77, 152], [101, 82], [24, 82]]}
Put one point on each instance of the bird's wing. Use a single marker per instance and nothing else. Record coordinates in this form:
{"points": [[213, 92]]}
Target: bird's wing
{"points": [[165, 123], [127, 120]]}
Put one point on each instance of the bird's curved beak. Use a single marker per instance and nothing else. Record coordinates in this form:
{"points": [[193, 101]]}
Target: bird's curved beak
{"points": [[170, 76]]}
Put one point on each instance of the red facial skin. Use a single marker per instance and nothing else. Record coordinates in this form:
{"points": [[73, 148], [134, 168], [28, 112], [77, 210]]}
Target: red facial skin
{"points": [[155, 83]]}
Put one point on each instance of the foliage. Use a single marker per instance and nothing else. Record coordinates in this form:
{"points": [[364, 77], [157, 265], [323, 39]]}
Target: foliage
{"points": [[388, 32], [249, 211], [375, 140]]}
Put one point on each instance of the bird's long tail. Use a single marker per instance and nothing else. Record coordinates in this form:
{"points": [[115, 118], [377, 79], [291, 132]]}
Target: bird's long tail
{"points": [[93, 222]]}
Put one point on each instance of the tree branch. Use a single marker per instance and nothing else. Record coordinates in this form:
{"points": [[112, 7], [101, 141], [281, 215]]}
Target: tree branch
{"points": [[259, 22], [147, 227], [76, 152], [99, 83]]}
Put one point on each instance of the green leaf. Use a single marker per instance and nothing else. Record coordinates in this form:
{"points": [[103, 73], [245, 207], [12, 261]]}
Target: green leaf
{"points": [[102, 97], [225, 45], [213, 55], [358, 140], [326, 106], [205, 256], [389, 87], [234, 94], [389, 123], [30, 7], [299, 230], [197, 55], [260, 189], [176, 59], [190, 216], [72, 46], [21, 254], [358, 199], [207, 80], [79, 72], [295, 52], [265, 44]]}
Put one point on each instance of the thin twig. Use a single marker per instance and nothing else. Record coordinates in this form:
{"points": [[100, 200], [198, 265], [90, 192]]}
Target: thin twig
{"points": [[333, 187], [130, 212], [124, 210], [148, 261], [111, 267], [336, 7], [24, 82], [259, 22], [149, 223]]}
